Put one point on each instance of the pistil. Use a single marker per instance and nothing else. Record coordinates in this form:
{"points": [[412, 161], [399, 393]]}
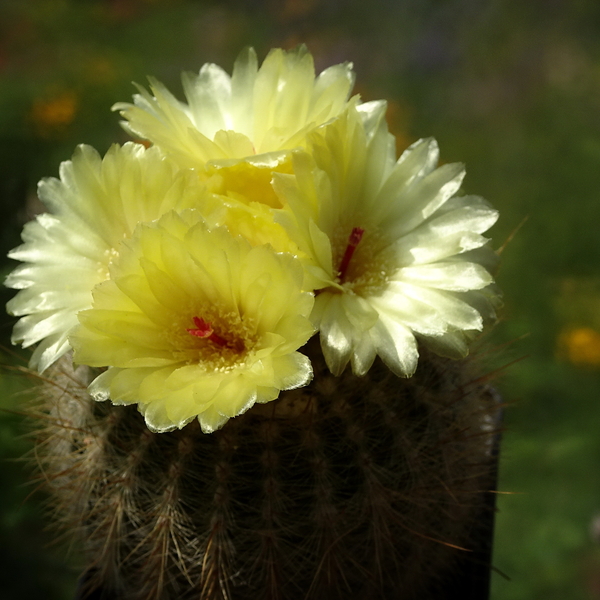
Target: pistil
{"points": [[353, 241], [205, 330]]}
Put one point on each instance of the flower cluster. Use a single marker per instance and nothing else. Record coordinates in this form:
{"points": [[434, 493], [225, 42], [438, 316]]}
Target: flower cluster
{"points": [[269, 207]]}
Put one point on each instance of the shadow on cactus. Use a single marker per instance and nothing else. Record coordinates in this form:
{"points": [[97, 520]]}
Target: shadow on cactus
{"points": [[253, 337]]}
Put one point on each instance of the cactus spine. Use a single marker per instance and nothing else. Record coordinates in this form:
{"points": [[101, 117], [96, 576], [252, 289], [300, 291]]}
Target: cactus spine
{"points": [[351, 487]]}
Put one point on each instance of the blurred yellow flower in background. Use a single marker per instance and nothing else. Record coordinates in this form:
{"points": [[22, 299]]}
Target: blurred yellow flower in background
{"points": [[580, 346], [54, 114]]}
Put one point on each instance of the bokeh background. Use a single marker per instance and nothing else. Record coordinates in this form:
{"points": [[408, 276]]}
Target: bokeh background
{"points": [[510, 87]]}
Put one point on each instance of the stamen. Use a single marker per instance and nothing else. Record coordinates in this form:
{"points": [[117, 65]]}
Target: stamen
{"points": [[353, 241], [205, 330]]}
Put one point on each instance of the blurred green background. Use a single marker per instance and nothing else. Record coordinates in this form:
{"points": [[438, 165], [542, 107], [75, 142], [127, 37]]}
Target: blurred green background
{"points": [[510, 87]]}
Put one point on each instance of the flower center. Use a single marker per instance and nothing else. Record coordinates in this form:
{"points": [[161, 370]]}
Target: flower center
{"points": [[353, 241], [205, 330], [218, 340], [365, 262]]}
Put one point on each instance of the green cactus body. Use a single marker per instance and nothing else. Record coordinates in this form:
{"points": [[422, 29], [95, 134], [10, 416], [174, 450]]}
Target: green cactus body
{"points": [[351, 487]]}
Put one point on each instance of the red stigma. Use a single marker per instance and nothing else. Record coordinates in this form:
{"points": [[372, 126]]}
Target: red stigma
{"points": [[353, 241], [205, 330]]}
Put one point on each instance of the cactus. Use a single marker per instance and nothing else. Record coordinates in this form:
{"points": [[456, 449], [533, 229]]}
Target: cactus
{"points": [[351, 487], [267, 213]]}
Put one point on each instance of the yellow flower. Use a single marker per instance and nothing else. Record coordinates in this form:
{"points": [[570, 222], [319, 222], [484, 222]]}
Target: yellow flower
{"points": [[195, 322], [95, 204], [54, 114], [580, 346], [395, 255], [239, 129]]}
